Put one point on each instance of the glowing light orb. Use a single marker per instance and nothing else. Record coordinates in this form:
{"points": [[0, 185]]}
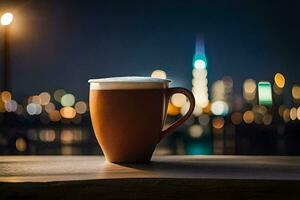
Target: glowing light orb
{"points": [[196, 131], [68, 112], [199, 64], [178, 100], [296, 92], [80, 107], [159, 74], [248, 117], [6, 96], [67, 100], [45, 98], [7, 18], [219, 108], [279, 80], [218, 122]]}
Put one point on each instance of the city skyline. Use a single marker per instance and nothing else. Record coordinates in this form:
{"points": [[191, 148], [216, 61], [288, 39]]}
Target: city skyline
{"points": [[61, 46]]}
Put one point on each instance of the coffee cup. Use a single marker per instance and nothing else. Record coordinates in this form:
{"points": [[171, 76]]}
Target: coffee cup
{"points": [[128, 115]]}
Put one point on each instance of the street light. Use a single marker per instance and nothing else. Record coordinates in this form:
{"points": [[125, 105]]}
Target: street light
{"points": [[6, 20]]}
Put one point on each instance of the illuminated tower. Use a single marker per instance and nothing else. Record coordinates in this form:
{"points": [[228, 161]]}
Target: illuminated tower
{"points": [[200, 82]]}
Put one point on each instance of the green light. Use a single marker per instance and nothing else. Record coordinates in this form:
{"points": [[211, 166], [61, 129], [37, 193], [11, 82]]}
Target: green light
{"points": [[264, 93], [67, 100]]}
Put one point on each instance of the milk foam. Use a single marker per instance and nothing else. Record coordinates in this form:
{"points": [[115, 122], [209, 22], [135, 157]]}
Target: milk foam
{"points": [[128, 83]]}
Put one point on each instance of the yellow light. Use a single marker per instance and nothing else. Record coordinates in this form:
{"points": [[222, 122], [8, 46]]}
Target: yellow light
{"points": [[68, 112], [196, 131], [54, 115], [21, 144], [159, 74], [281, 110], [45, 98], [286, 115], [47, 135], [249, 86], [7, 19], [218, 122], [248, 117], [36, 99], [296, 92], [293, 113], [298, 113], [6, 96], [178, 100], [198, 110], [173, 110], [67, 136], [279, 80], [80, 107]]}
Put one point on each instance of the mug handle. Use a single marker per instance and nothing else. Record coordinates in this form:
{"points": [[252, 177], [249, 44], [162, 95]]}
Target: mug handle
{"points": [[179, 121]]}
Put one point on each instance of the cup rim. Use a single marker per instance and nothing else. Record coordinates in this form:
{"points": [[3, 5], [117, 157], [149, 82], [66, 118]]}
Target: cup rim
{"points": [[130, 79]]}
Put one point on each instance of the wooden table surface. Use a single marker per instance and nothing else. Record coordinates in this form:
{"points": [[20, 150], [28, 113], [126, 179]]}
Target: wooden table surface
{"points": [[166, 177]]}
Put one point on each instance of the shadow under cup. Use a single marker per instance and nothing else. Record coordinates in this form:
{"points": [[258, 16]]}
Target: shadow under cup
{"points": [[128, 115]]}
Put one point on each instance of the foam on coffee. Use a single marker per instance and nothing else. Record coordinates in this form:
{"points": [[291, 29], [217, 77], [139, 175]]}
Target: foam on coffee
{"points": [[128, 83]]}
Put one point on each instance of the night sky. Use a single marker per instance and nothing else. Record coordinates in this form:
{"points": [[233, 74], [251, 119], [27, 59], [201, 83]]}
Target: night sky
{"points": [[61, 44]]}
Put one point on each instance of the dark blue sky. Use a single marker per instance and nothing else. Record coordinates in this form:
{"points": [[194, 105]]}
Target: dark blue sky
{"points": [[61, 44]]}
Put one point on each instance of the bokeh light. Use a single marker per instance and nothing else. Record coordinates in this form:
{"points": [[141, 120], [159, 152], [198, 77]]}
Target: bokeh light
{"points": [[21, 144], [296, 92], [159, 74], [81, 107], [286, 115], [293, 113], [178, 100], [6, 96], [67, 100], [34, 109], [7, 18], [68, 112], [173, 110], [11, 106], [249, 86], [35, 99], [249, 90], [267, 119], [219, 108], [248, 117], [54, 115], [197, 110], [218, 122], [58, 94], [45, 98], [47, 135], [196, 131], [279, 80], [204, 119], [236, 118], [298, 113], [264, 93], [49, 107]]}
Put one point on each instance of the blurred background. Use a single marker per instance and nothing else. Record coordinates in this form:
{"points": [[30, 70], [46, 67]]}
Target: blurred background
{"points": [[240, 59]]}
